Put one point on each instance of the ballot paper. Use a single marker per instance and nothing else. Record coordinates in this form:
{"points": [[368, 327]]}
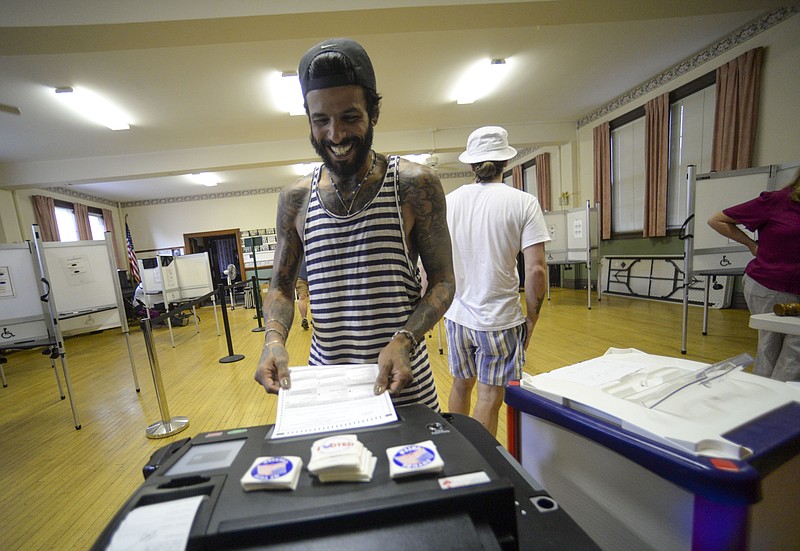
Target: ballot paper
{"points": [[331, 398], [280, 472], [341, 458], [413, 459]]}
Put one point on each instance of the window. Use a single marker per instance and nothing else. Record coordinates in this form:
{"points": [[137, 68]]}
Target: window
{"points": [[529, 177], [627, 177], [97, 224], [691, 132], [68, 224]]}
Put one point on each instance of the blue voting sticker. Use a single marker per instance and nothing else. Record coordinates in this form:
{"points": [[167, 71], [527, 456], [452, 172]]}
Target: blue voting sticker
{"points": [[413, 457], [271, 468]]}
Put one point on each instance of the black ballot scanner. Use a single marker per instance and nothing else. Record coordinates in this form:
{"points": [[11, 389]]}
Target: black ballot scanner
{"points": [[482, 499]]}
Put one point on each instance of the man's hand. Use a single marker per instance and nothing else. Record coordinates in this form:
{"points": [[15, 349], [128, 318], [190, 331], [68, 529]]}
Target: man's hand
{"points": [[273, 368], [394, 363]]}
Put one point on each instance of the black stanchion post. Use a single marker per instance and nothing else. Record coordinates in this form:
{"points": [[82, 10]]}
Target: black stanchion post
{"points": [[255, 274], [231, 357], [257, 304]]}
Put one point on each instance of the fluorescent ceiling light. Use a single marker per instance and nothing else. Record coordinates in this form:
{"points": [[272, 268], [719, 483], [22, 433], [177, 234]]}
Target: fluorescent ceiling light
{"points": [[284, 88], [205, 178], [420, 158], [94, 107], [480, 79], [301, 169]]}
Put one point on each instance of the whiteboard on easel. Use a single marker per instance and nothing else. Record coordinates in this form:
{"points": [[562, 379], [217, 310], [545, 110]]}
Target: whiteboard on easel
{"points": [[82, 285], [22, 319], [556, 248], [580, 236], [714, 192], [194, 275]]}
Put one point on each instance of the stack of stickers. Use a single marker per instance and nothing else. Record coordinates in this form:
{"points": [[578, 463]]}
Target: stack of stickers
{"points": [[341, 458], [412, 459], [279, 472]]}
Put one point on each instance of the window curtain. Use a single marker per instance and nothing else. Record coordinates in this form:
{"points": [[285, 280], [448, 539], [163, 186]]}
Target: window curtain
{"points": [[517, 180], [82, 220], [656, 163], [602, 176], [543, 180], [45, 211], [108, 222], [736, 115]]}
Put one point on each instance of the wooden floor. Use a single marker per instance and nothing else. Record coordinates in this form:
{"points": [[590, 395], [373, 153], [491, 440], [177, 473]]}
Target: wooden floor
{"points": [[59, 487]]}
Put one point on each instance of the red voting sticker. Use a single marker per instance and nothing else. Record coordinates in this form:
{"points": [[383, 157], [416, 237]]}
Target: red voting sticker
{"points": [[413, 457], [271, 468]]}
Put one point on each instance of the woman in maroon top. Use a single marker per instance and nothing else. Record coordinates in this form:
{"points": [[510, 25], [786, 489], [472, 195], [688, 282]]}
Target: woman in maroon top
{"points": [[773, 276]]}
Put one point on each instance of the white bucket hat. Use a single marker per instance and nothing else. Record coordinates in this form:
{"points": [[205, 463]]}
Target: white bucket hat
{"points": [[488, 143]]}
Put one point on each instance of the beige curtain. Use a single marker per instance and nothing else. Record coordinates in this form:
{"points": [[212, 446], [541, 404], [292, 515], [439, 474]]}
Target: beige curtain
{"points": [[543, 180], [656, 163], [108, 222], [45, 211], [82, 219], [736, 114], [516, 177], [602, 176]]}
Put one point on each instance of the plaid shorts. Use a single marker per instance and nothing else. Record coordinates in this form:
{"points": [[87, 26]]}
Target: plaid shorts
{"points": [[494, 357]]}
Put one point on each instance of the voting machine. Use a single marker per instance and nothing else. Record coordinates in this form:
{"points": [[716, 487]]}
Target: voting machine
{"points": [[481, 499], [660, 453]]}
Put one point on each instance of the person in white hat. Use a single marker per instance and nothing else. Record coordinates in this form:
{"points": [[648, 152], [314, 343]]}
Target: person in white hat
{"points": [[490, 223]]}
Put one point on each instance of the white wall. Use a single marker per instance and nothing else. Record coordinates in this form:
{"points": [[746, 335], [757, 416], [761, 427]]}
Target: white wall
{"points": [[161, 226], [778, 132]]}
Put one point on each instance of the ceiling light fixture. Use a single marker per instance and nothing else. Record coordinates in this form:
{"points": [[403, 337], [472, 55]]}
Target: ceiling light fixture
{"points": [[94, 107], [480, 80], [285, 89], [301, 169], [205, 178]]}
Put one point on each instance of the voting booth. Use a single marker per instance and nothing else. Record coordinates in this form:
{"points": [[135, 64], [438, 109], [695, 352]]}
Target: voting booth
{"points": [[480, 500], [654, 452]]}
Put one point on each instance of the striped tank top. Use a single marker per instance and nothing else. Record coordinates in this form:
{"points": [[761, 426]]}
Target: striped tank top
{"points": [[363, 285]]}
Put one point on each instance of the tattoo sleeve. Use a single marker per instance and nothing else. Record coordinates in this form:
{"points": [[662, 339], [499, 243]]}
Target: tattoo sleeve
{"points": [[423, 202], [279, 302]]}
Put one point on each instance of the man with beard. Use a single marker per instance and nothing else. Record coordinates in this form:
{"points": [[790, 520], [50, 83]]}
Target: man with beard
{"points": [[360, 222]]}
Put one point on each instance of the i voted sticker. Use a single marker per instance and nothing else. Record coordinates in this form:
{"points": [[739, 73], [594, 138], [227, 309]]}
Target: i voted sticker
{"points": [[413, 457], [272, 468]]}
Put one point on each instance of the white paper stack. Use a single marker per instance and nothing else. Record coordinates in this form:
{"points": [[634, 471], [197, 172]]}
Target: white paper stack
{"points": [[411, 459], [341, 458], [280, 472]]}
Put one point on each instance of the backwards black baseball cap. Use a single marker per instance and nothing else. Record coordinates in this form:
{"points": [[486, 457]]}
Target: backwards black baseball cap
{"points": [[355, 54]]}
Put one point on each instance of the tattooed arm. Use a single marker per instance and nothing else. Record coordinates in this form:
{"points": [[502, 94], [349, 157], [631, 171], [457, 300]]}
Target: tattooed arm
{"points": [[535, 285], [425, 224], [273, 366]]}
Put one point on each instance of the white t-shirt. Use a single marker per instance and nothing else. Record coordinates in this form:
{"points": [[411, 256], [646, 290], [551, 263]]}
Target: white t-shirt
{"points": [[489, 225]]}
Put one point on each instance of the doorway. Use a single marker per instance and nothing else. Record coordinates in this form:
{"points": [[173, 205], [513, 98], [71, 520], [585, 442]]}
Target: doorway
{"points": [[224, 248]]}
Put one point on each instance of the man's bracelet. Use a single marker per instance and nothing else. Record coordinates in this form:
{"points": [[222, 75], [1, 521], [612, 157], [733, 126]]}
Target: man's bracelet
{"points": [[276, 320], [268, 331], [410, 336]]}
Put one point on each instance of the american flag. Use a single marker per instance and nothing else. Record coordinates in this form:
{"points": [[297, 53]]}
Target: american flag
{"points": [[131, 255]]}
